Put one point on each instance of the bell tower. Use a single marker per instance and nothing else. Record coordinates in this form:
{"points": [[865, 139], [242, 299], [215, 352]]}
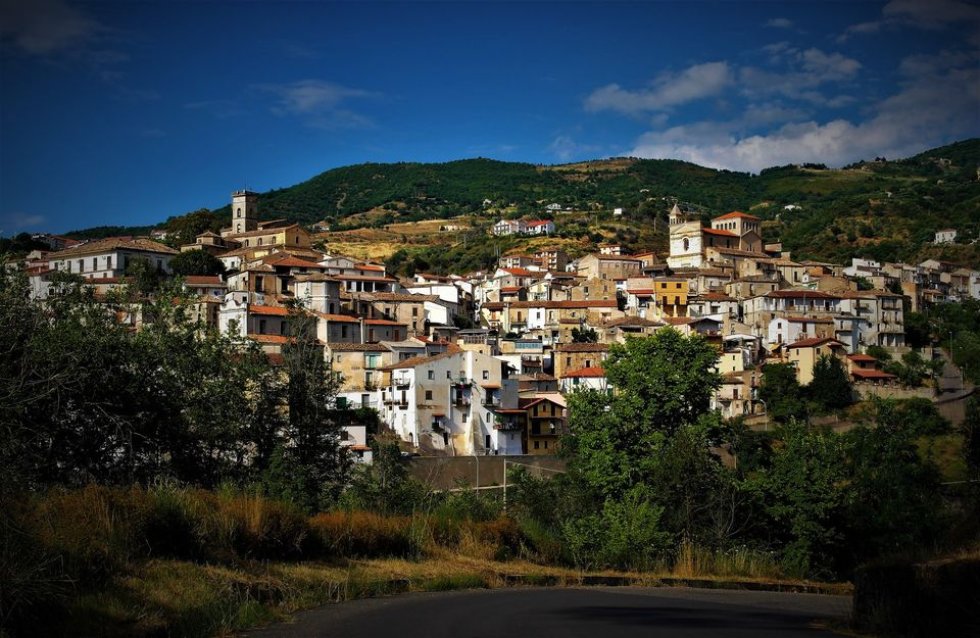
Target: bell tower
{"points": [[244, 211]]}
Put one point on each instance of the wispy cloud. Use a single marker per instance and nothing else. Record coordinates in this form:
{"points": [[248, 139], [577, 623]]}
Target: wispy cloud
{"points": [[318, 103], [18, 221], [780, 23], [798, 74], [666, 91]]}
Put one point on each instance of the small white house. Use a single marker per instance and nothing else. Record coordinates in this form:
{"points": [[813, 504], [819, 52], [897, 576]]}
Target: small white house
{"points": [[945, 236]]}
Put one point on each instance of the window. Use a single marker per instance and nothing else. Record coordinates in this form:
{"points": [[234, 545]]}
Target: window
{"points": [[537, 444], [343, 331], [238, 212], [432, 375], [415, 311], [261, 326], [449, 374], [81, 265], [486, 375], [687, 244], [428, 395], [94, 266], [108, 262]]}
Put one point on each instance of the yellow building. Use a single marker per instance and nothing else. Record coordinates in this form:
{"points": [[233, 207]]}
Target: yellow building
{"points": [[670, 295], [805, 353]]}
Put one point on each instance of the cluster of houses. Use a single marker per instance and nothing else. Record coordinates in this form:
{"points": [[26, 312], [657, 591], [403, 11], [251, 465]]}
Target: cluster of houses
{"points": [[481, 363]]}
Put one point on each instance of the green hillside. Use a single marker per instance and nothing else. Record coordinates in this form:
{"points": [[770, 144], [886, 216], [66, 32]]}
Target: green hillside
{"points": [[885, 209]]}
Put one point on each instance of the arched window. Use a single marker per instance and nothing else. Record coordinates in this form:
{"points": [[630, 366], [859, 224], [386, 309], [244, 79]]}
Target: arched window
{"points": [[238, 212], [260, 241], [687, 244]]}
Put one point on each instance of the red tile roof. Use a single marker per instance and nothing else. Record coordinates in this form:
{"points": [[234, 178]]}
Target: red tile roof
{"points": [[201, 280], [585, 373], [736, 215], [861, 357], [270, 311], [722, 233], [813, 342]]}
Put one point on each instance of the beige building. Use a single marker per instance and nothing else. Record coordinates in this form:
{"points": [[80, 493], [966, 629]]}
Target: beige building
{"points": [[613, 267], [805, 353], [573, 356]]}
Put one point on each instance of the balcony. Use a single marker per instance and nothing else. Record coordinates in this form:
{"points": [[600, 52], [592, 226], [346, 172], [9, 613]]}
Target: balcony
{"points": [[505, 425]]}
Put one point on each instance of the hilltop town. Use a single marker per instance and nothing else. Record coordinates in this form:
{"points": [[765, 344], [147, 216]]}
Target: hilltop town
{"points": [[478, 363]]}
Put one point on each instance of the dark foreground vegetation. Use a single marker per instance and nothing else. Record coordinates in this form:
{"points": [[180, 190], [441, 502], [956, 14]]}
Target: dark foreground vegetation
{"points": [[170, 481]]}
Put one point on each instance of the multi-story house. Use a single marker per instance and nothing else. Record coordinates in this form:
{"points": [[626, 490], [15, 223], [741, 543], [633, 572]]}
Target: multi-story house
{"points": [[614, 267], [110, 258], [805, 353], [547, 421], [458, 401]]}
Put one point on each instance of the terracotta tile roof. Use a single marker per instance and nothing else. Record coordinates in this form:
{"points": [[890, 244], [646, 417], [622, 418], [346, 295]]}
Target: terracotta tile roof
{"points": [[411, 362], [721, 233], [289, 261], [269, 311], [809, 320], [363, 278], [631, 321], [714, 296], [201, 280], [585, 373], [520, 272], [736, 215], [813, 342], [861, 357], [142, 244], [373, 267]]}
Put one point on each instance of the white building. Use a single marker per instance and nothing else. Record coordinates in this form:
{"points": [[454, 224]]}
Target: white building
{"points": [[945, 236], [453, 402]]}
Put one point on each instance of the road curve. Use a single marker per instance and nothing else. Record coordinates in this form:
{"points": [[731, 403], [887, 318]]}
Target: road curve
{"points": [[593, 612]]}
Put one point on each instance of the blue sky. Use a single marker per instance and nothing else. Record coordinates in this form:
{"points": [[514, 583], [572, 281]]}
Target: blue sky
{"points": [[125, 113]]}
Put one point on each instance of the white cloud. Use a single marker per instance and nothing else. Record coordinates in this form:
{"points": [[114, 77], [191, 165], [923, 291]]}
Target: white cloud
{"points": [[318, 103], [667, 90], [907, 122], [802, 72], [46, 27], [780, 23]]}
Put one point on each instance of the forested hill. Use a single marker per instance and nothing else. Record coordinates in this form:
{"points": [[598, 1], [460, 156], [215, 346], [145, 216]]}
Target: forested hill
{"points": [[882, 208]]}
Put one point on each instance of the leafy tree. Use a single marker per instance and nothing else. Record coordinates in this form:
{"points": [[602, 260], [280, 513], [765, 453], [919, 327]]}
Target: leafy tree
{"points": [[803, 497], [782, 393], [663, 382], [584, 335], [830, 388], [146, 277], [893, 494], [384, 486], [310, 467], [196, 262]]}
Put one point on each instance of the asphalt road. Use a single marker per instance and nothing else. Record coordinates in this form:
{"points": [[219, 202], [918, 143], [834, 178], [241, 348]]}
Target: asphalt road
{"points": [[594, 612]]}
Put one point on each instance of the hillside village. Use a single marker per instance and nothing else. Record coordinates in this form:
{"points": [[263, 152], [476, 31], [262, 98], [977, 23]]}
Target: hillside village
{"points": [[481, 362]]}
